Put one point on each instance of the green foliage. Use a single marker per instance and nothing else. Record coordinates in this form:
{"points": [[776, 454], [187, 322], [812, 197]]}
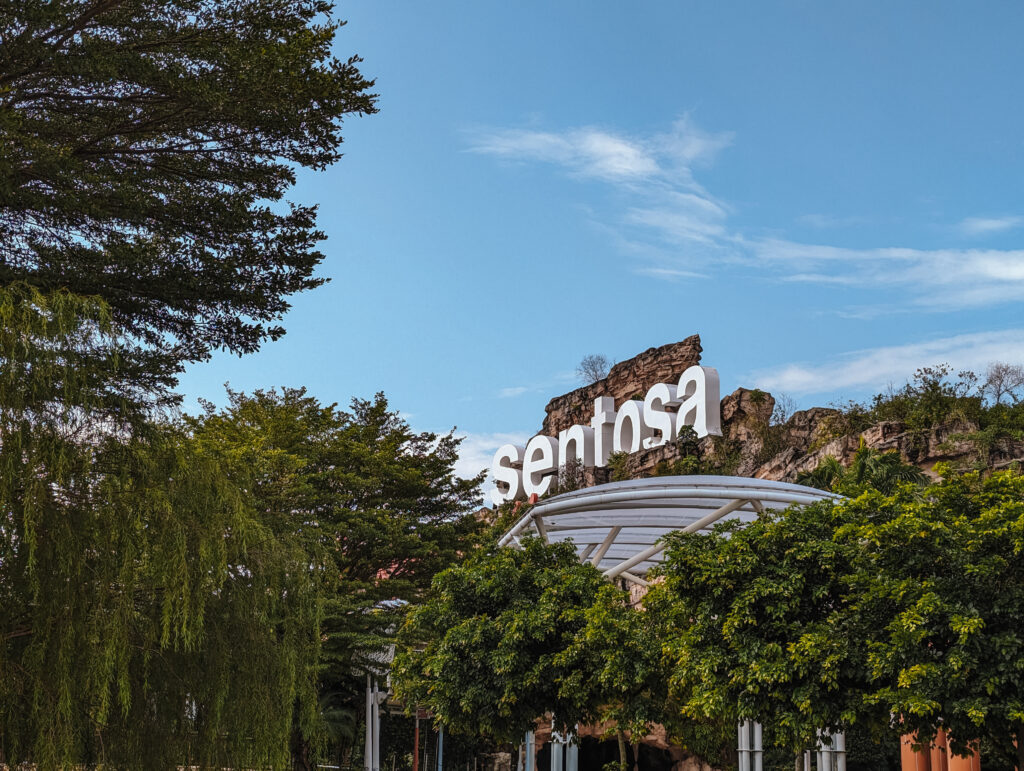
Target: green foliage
{"points": [[843, 615], [376, 507], [617, 657], [147, 615], [618, 464], [869, 469], [723, 458], [931, 398], [146, 150], [487, 651], [759, 627], [941, 590], [198, 594]]}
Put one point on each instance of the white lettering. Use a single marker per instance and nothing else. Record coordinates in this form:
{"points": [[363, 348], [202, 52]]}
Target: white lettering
{"points": [[603, 424], [540, 464], [638, 425], [698, 390], [576, 443], [507, 472], [661, 422], [630, 429]]}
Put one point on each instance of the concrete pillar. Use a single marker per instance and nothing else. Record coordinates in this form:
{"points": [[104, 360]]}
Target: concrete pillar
{"points": [[572, 755], [757, 748], [743, 745], [936, 757], [557, 750]]}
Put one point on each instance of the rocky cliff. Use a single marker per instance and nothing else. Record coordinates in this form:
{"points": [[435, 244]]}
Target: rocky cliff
{"points": [[625, 380], [753, 443]]}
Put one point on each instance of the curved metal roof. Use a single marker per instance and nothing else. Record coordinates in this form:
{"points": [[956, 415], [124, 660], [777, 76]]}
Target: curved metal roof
{"points": [[618, 526]]}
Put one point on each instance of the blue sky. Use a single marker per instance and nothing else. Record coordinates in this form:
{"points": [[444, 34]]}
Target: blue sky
{"points": [[829, 194]]}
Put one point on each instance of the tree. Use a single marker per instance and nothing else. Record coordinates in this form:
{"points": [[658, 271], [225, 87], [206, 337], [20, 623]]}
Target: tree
{"points": [[376, 506], [593, 367], [892, 613], [941, 588], [512, 636], [1003, 380], [147, 617], [484, 651], [616, 656], [870, 468], [761, 629], [147, 148]]}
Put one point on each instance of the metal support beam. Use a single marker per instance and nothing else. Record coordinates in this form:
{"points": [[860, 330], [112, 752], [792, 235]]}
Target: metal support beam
{"points": [[659, 547], [758, 748], [538, 522], [749, 746], [634, 579], [606, 544], [572, 753]]}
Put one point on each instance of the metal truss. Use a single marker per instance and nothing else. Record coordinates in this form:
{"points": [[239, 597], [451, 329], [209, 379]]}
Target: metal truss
{"points": [[619, 526]]}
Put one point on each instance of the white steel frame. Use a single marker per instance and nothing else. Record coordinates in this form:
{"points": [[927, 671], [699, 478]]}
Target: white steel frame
{"points": [[619, 526]]}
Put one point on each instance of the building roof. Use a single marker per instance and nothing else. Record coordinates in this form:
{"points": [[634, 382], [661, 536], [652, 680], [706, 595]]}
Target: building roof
{"points": [[618, 526]]}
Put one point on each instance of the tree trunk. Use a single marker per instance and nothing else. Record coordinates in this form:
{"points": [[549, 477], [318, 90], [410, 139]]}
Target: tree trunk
{"points": [[623, 761], [799, 766], [636, 757]]}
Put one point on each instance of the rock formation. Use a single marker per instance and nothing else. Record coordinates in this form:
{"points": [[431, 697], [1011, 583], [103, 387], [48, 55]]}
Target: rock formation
{"points": [[626, 380], [751, 445]]}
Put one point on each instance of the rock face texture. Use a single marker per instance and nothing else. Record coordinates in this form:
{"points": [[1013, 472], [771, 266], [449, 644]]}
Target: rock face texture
{"points": [[625, 380], [754, 442]]}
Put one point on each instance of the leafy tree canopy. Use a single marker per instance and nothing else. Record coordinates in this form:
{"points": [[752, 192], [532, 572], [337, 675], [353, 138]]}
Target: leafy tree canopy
{"points": [[870, 469], [376, 507], [760, 627], [831, 616], [484, 652], [146, 147], [147, 616]]}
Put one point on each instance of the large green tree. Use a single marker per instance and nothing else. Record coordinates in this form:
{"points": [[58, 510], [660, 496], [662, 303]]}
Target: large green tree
{"points": [[512, 636], [761, 628], [146, 149], [485, 651], [148, 616], [376, 507], [845, 615], [940, 591]]}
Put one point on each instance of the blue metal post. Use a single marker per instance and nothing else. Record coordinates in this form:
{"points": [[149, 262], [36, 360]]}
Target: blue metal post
{"points": [[440, 748]]}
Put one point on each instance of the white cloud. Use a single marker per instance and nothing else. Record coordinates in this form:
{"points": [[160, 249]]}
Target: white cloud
{"points": [[933, 278], [512, 391], [984, 226], [669, 274], [588, 152], [614, 157], [877, 367], [477, 451], [674, 228], [654, 172]]}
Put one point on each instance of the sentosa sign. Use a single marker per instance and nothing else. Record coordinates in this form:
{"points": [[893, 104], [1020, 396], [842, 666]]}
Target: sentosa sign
{"points": [[638, 425]]}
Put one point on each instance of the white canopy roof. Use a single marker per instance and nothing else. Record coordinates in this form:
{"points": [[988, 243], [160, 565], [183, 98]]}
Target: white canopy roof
{"points": [[618, 526]]}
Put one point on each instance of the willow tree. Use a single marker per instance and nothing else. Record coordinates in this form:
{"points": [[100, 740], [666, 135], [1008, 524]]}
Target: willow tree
{"points": [[147, 148], [147, 616]]}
